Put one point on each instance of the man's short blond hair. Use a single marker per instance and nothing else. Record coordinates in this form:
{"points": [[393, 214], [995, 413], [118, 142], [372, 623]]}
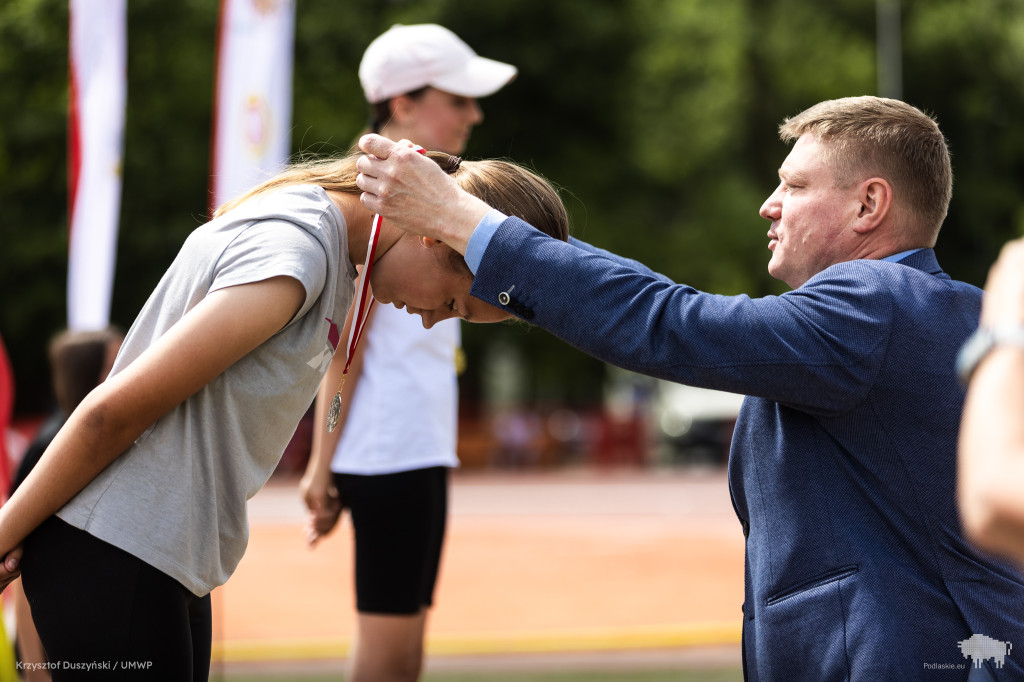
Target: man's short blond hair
{"points": [[874, 136]]}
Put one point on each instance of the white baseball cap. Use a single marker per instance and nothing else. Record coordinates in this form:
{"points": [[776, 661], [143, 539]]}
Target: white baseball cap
{"points": [[407, 58]]}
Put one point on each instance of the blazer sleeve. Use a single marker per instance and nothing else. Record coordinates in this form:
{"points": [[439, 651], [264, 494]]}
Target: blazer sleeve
{"points": [[818, 348], [625, 262]]}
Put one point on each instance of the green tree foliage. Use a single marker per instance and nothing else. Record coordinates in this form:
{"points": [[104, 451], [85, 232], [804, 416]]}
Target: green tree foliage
{"points": [[33, 185], [966, 69], [658, 119]]}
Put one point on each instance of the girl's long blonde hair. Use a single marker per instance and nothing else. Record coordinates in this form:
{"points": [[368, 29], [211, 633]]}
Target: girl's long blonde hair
{"points": [[334, 175], [506, 186]]}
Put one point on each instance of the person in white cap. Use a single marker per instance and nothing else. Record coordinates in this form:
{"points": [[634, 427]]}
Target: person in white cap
{"points": [[389, 459]]}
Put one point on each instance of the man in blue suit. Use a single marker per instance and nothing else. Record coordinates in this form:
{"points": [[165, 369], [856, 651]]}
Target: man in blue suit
{"points": [[842, 468]]}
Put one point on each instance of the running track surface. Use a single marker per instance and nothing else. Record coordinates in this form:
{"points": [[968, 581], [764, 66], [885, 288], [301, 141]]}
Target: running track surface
{"points": [[538, 563]]}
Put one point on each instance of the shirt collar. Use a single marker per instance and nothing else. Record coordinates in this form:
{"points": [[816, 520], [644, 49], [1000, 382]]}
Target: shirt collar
{"points": [[897, 257]]}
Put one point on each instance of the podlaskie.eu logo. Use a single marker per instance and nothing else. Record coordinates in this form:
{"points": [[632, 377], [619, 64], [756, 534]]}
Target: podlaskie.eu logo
{"points": [[981, 648]]}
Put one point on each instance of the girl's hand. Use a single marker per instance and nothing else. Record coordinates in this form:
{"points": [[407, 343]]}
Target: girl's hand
{"points": [[11, 567], [324, 505], [322, 522]]}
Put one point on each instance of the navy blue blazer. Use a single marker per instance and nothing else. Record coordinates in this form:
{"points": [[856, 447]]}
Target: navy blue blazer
{"points": [[843, 463]]}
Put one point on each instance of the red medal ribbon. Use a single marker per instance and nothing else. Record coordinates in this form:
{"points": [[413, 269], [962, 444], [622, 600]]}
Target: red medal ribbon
{"points": [[362, 312], [360, 315], [359, 320]]}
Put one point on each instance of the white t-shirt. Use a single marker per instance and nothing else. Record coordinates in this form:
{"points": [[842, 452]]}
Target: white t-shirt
{"points": [[176, 498], [404, 412]]}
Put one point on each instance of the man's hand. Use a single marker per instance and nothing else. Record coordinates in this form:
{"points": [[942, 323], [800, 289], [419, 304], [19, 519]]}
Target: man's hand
{"points": [[10, 568], [413, 193]]}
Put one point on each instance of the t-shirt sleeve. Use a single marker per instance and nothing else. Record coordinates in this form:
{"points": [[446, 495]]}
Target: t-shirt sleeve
{"points": [[274, 248]]}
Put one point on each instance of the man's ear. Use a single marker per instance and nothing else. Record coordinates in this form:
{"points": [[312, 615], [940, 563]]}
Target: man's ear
{"points": [[875, 197], [430, 242]]}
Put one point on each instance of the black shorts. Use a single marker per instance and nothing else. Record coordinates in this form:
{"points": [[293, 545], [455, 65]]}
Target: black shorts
{"points": [[103, 614], [399, 521]]}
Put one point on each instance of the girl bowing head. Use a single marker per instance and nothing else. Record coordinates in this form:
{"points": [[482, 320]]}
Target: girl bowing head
{"points": [[137, 509]]}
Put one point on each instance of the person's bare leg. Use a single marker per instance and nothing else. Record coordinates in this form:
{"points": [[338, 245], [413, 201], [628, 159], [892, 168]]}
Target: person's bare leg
{"points": [[388, 648]]}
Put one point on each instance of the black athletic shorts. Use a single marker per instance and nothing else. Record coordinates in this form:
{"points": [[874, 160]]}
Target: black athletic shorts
{"points": [[103, 614], [399, 521]]}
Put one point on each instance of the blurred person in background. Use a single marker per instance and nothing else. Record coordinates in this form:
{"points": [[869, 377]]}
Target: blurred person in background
{"points": [[79, 361], [991, 474], [843, 464], [388, 461]]}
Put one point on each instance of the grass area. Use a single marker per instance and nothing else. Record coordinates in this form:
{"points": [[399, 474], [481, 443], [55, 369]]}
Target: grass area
{"points": [[702, 675]]}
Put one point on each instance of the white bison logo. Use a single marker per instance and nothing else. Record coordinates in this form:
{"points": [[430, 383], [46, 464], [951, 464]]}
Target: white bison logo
{"points": [[980, 648]]}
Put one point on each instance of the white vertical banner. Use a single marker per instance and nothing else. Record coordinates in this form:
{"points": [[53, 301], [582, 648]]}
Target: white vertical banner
{"points": [[253, 101], [98, 69]]}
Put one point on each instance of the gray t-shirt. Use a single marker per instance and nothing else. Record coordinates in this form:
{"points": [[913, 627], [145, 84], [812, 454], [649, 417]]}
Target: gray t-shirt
{"points": [[177, 498]]}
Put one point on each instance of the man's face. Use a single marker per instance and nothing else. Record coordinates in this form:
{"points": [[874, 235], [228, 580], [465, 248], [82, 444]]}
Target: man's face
{"points": [[809, 216]]}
